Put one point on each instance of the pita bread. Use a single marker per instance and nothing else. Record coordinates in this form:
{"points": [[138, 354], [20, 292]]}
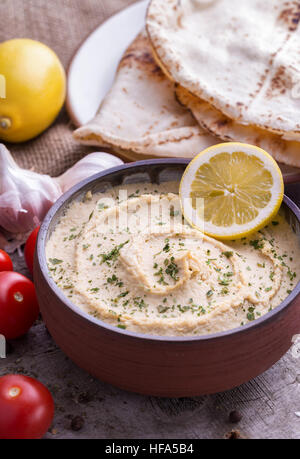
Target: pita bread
{"points": [[242, 56], [141, 115], [214, 121]]}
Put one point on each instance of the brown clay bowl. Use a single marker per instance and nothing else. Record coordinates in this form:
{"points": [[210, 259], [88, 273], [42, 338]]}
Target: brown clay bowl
{"points": [[154, 365]]}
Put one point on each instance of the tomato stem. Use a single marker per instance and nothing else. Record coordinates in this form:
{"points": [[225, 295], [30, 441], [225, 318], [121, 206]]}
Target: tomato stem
{"points": [[14, 392], [18, 297]]}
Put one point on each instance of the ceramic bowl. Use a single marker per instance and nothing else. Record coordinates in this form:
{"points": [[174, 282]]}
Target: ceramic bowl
{"points": [[154, 365]]}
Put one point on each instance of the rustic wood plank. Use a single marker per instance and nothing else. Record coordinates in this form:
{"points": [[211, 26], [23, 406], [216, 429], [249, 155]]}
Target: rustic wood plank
{"points": [[267, 404]]}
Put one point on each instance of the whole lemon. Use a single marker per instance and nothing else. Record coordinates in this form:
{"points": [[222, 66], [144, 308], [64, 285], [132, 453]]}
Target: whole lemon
{"points": [[32, 89]]}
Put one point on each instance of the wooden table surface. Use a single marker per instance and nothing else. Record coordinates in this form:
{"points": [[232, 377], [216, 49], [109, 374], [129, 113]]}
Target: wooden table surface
{"points": [[87, 408]]}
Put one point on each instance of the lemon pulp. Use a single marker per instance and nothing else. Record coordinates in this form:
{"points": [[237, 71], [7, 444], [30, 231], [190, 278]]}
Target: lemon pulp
{"points": [[231, 190]]}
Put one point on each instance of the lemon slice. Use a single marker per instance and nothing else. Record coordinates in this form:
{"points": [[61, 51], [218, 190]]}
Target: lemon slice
{"points": [[231, 190]]}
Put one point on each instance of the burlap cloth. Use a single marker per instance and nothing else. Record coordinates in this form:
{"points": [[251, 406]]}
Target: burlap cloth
{"points": [[62, 25]]}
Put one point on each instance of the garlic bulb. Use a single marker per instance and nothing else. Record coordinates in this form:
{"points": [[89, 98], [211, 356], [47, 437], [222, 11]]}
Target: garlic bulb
{"points": [[25, 196], [86, 167]]}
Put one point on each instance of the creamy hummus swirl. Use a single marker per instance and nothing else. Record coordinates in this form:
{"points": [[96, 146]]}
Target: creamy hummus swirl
{"points": [[137, 265], [167, 278]]}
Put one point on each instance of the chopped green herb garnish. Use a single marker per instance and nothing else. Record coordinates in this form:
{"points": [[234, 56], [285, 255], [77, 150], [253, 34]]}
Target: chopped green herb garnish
{"points": [[250, 315], [167, 246], [162, 309], [172, 270], [55, 261], [291, 274], [261, 265], [257, 244], [113, 254], [208, 262], [225, 280]]}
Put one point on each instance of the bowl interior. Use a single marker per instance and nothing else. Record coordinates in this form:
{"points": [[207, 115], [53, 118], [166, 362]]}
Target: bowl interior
{"points": [[151, 171], [157, 171]]}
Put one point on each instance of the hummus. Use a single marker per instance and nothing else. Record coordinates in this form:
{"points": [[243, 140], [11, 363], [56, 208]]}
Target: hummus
{"points": [[128, 258]]}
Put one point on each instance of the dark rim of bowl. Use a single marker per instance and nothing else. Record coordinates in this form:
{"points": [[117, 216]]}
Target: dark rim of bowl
{"points": [[41, 255]]}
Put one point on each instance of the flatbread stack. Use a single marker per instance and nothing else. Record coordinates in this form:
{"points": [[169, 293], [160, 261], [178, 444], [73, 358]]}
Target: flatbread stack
{"points": [[237, 67], [206, 71], [140, 117]]}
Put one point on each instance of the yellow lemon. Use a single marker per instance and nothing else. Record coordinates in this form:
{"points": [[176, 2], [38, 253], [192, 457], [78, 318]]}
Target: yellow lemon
{"points": [[231, 190], [32, 89]]}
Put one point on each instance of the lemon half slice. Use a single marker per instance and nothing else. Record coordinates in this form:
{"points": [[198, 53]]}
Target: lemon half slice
{"points": [[231, 190]]}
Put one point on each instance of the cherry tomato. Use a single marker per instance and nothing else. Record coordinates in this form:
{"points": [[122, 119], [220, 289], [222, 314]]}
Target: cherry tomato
{"points": [[18, 304], [5, 262], [30, 248], [26, 408]]}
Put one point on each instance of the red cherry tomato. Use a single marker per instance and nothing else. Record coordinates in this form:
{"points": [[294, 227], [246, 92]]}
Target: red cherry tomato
{"points": [[5, 262], [26, 408], [30, 249], [18, 304]]}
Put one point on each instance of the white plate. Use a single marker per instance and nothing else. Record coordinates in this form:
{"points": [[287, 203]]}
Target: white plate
{"points": [[93, 67], [92, 70]]}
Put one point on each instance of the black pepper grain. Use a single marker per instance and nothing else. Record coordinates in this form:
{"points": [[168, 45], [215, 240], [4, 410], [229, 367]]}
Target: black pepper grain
{"points": [[77, 423], [84, 397], [235, 417]]}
